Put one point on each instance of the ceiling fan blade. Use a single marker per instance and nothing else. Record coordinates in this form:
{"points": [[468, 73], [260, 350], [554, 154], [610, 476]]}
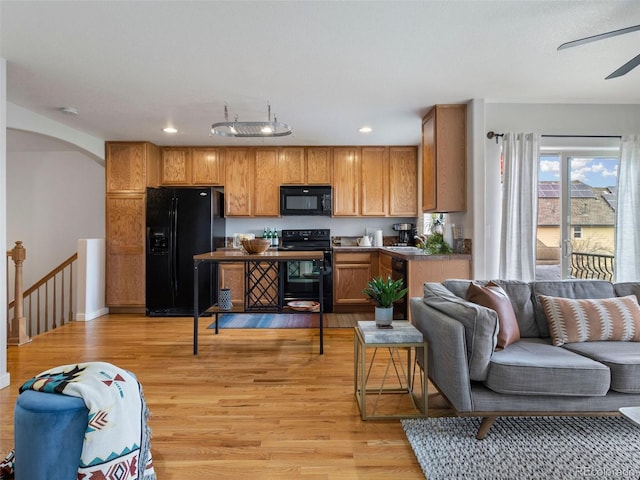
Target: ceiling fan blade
{"points": [[626, 68], [601, 36]]}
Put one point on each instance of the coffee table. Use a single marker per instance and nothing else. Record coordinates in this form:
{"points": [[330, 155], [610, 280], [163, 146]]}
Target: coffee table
{"points": [[632, 413], [396, 377]]}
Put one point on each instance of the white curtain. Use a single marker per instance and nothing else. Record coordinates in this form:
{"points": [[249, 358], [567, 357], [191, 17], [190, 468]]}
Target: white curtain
{"points": [[627, 256], [519, 206]]}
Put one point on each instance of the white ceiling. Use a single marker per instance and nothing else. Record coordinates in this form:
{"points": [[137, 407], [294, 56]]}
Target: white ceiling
{"points": [[327, 68]]}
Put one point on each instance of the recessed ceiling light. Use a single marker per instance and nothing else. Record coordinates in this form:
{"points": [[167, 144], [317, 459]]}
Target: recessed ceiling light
{"points": [[170, 130], [365, 129]]}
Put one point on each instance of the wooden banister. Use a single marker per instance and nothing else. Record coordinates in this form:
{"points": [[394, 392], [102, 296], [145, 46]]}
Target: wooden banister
{"points": [[43, 312]]}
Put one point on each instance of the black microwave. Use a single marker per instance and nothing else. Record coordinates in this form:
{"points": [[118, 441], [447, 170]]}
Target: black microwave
{"points": [[305, 200]]}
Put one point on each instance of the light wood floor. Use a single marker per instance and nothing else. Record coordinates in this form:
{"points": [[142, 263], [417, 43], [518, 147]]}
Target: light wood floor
{"points": [[254, 404]]}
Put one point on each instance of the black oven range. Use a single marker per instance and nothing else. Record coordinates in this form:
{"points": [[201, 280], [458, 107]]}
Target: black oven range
{"points": [[301, 279]]}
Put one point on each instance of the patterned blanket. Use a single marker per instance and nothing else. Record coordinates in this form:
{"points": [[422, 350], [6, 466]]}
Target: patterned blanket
{"points": [[116, 443]]}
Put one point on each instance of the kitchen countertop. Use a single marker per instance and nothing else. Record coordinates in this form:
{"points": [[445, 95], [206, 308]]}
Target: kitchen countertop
{"points": [[407, 253]]}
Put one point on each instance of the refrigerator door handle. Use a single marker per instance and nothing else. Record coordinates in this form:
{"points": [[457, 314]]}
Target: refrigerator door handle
{"points": [[174, 251]]}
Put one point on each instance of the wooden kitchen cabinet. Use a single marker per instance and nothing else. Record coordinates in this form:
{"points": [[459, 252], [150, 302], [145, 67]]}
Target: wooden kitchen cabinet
{"points": [[351, 273], [444, 153], [403, 182], [231, 275], [319, 163], [305, 166], [262, 285], [238, 184], [175, 166], [293, 166], [251, 186], [207, 166], [375, 181], [384, 265], [266, 189], [346, 181], [125, 250], [131, 167]]}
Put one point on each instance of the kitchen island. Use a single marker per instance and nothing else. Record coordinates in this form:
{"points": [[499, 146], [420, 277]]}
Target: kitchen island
{"points": [[355, 265], [261, 271]]}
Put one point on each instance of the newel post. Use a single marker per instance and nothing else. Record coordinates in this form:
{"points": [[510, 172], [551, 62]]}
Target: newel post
{"points": [[18, 328]]}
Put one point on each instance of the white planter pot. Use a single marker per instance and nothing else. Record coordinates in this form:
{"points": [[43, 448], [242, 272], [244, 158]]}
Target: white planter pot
{"points": [[384, 316]]}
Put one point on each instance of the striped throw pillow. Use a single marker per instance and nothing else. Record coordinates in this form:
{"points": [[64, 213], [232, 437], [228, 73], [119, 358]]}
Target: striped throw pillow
{"points": [[590, 320]]}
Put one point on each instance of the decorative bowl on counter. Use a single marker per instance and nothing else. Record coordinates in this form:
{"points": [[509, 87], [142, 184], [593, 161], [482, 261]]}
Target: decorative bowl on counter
{"points": [[255, 245]]}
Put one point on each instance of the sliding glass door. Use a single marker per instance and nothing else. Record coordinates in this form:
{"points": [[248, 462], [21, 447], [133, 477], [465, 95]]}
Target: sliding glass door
{"points": [[576, 208]]}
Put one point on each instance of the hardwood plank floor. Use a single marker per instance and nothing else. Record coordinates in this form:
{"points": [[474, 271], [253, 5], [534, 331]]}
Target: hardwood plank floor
{"points": [[258, 404]]}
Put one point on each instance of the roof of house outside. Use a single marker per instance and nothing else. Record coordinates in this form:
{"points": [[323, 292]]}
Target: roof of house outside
{"points": [[590, 206]]}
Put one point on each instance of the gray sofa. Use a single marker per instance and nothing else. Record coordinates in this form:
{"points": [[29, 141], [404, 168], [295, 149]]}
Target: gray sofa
{"points": [[530, 376]]}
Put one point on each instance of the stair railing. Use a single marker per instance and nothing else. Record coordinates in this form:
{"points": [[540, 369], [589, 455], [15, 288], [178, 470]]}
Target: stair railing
{"points": [[46, 305]]}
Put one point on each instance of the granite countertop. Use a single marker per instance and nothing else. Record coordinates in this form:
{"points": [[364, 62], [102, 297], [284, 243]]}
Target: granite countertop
{"points": [[408, 253]]}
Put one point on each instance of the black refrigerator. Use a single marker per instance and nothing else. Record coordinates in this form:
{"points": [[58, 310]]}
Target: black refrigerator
{"points": [[181, 222]]}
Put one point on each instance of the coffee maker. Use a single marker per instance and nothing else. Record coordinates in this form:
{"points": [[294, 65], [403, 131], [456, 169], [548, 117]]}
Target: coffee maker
{"points": [[406, 232]]}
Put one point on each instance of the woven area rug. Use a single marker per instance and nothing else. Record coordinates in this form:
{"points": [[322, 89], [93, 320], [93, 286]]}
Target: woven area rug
{"points": [[267, 320], [521, 448]]}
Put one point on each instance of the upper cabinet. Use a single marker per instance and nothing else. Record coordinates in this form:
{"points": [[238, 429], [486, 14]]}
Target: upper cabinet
{"points": [[375, 181], [346, 181], [305, 166], [131, 167], [403, 181], [184, 166], [319, 166], [175, 166], [251, 186], [207, 166], [293, 166], [238, 185], [266, 191], [444, 154]]}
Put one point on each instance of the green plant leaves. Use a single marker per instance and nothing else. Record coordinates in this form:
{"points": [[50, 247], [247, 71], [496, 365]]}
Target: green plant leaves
{"points": [[385, 291]]}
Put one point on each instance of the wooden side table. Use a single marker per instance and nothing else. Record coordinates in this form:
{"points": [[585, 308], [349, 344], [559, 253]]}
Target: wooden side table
{"points": [[402, 338]]}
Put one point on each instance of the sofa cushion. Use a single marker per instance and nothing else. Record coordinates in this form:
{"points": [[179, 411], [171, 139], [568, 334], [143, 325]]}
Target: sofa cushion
{"points": [[566, 289], [494, 297], [622, 358], [480, 325], [520, 295], [623, 289], [590, 320], [534, 367]]}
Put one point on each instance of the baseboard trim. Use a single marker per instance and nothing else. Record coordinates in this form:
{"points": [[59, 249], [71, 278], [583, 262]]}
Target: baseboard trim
{"points": [[85, 317]]}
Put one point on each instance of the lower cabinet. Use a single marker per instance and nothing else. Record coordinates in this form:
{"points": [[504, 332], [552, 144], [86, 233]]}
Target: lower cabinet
{"points": [[263, 283], [231, 275], [125, 250], [351, 273]]}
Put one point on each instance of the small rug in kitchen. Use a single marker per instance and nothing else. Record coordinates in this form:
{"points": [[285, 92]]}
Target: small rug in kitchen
{"points": [[267, 320], [522, 448]]}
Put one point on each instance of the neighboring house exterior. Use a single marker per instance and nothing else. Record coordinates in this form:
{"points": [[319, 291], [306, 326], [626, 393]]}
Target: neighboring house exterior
{"points": [[592, 219]]}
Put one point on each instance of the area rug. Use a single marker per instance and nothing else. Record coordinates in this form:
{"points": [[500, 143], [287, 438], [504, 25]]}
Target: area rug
{"points": [[521, 448], [267, 320]]}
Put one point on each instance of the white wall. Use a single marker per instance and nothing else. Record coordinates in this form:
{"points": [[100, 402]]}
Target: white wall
{"points": [[53, 199], [4, 375], [346, 227]]}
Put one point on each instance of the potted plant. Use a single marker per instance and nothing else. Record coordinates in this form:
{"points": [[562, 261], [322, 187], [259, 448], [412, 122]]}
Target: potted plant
{"points": [[384, 292]]}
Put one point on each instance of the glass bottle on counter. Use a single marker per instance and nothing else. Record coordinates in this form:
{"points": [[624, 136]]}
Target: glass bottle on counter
{"points": [[276, 240]]}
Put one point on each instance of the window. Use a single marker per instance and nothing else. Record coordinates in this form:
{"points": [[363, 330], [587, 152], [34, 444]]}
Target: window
{"points": [[577, 179], [577, 232]]}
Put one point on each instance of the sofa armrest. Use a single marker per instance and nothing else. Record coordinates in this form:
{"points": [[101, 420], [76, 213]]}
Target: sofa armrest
{"points": [[447, 353]]}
